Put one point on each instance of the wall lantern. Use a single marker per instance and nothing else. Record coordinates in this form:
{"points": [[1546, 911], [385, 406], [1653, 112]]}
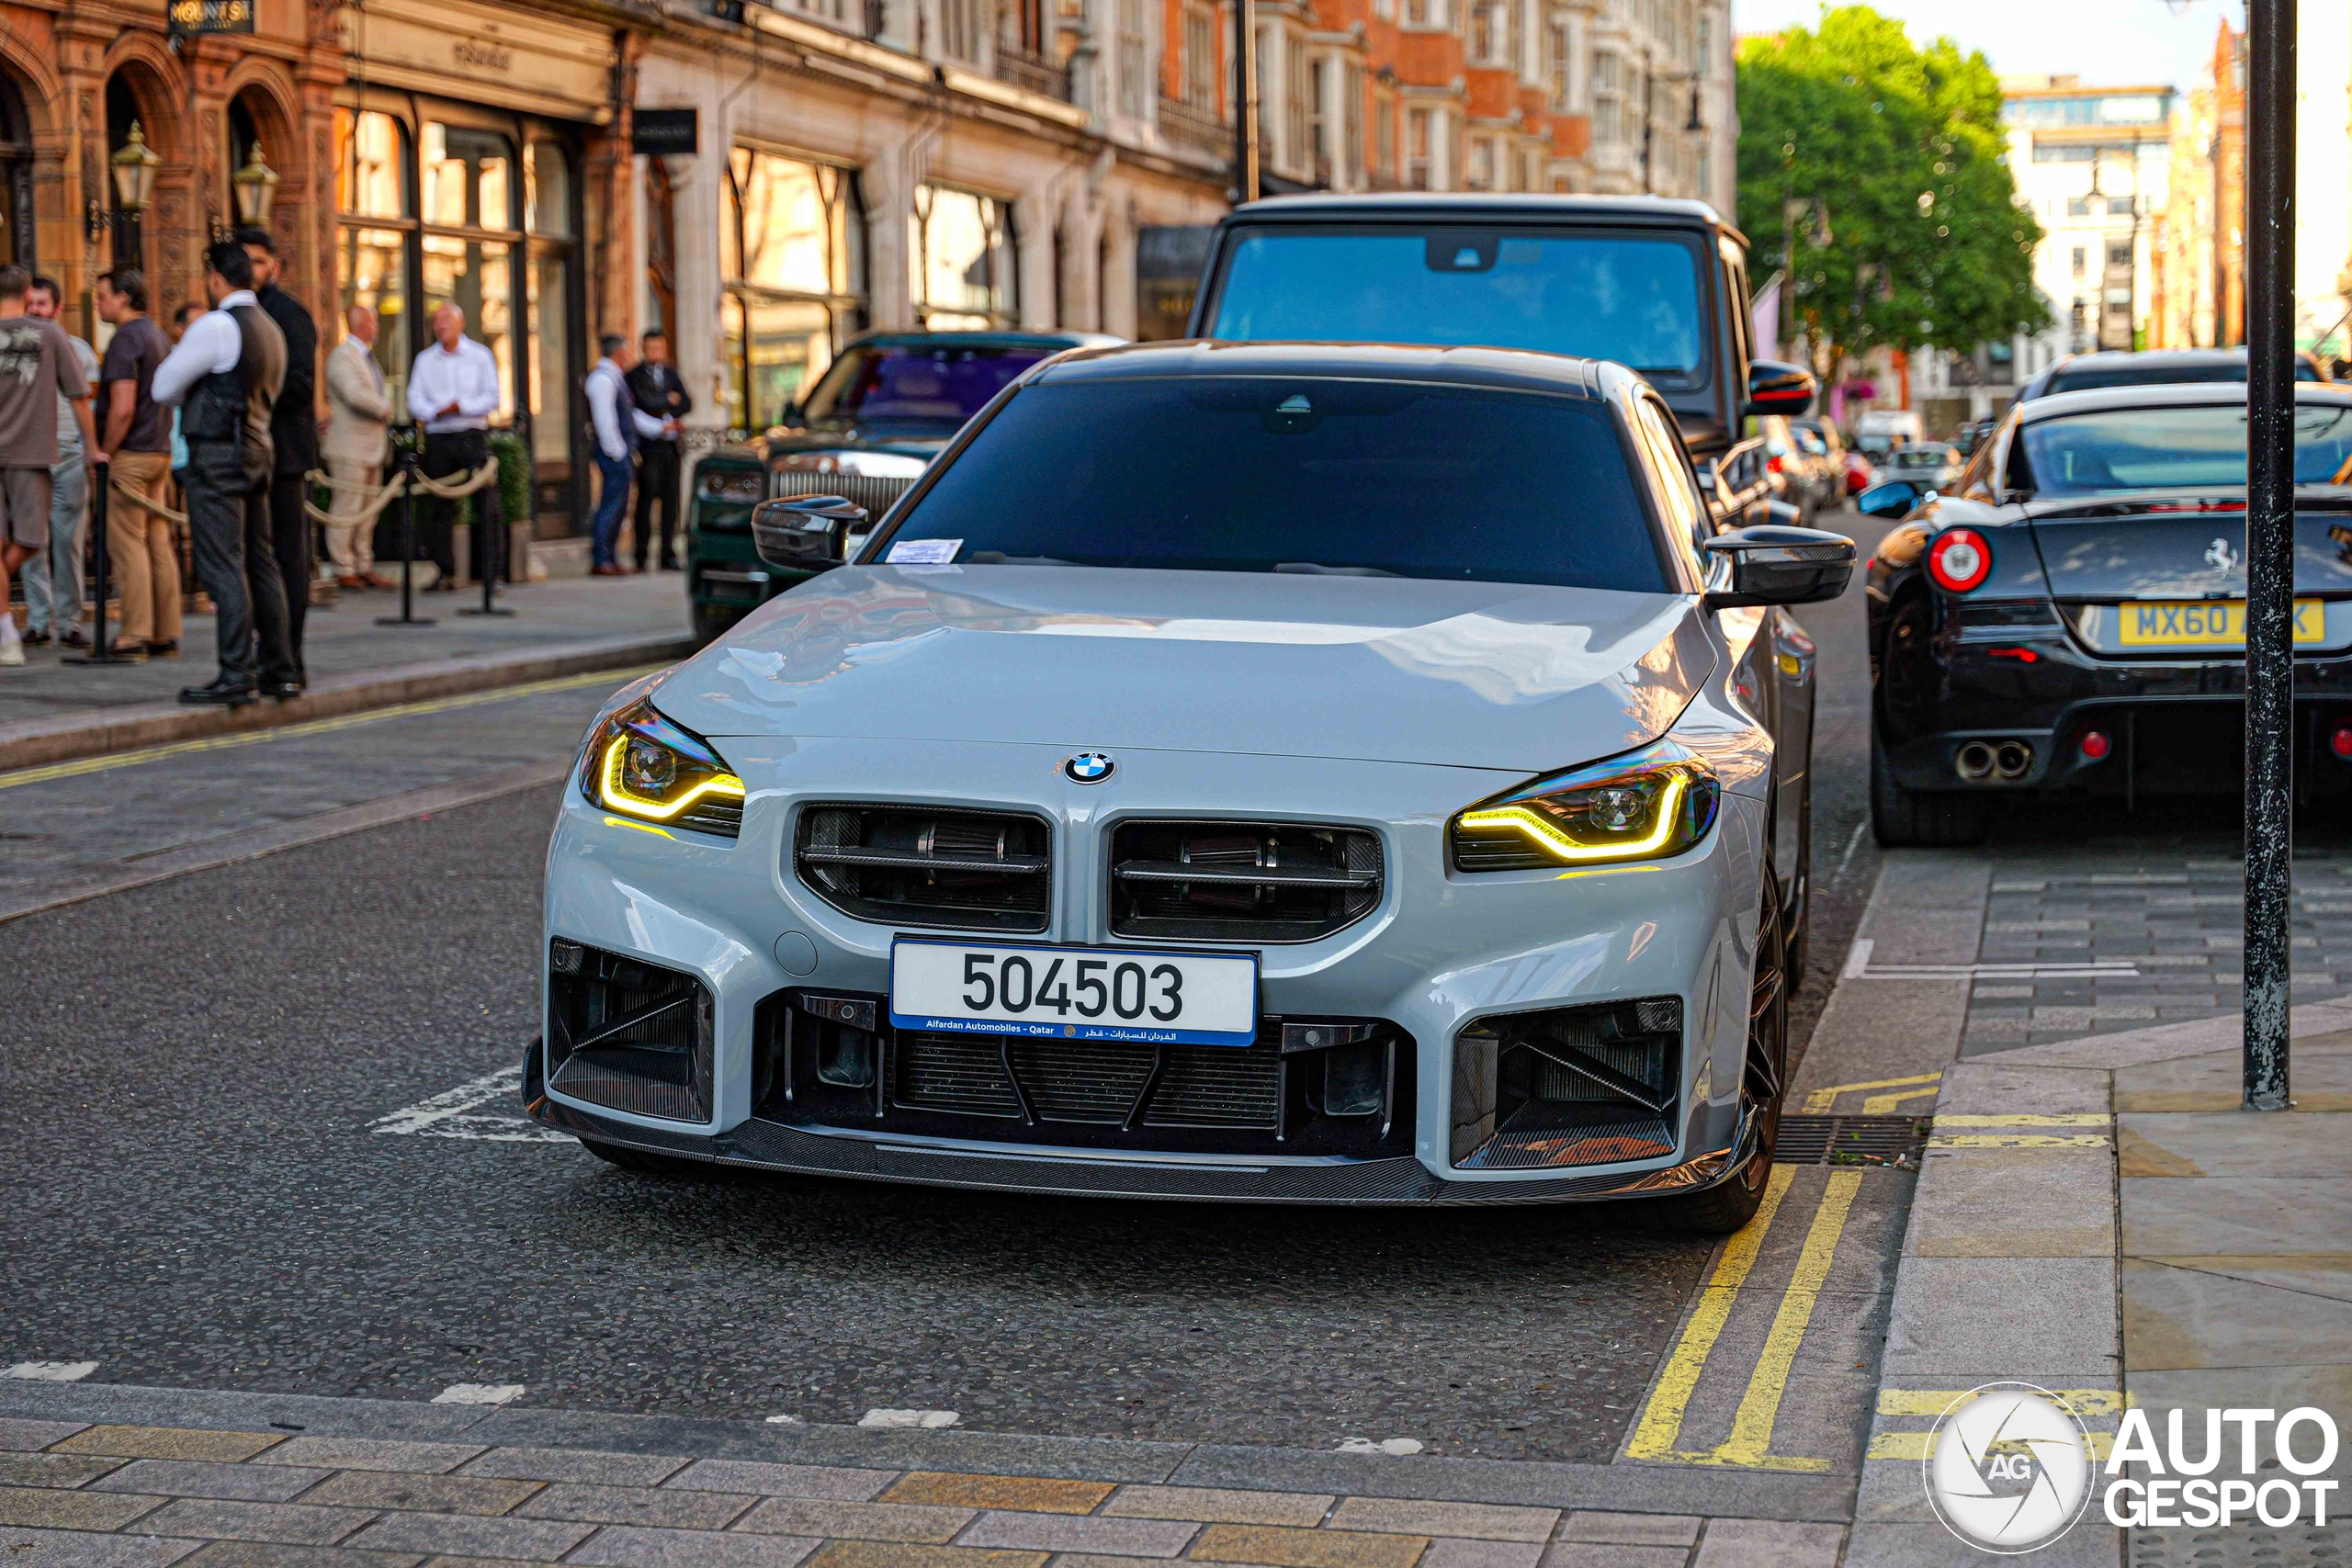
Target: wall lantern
{"points": [[256, 188]]}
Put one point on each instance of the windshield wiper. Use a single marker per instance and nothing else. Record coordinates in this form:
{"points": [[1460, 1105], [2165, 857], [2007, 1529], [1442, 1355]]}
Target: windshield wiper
{"points": [[1317, 569]]}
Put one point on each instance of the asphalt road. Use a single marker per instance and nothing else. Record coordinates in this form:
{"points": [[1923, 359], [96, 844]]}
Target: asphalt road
{"points": [[193, 1196]]}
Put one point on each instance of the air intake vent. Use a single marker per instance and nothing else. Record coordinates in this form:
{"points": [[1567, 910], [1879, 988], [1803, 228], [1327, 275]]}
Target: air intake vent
{"points": [[626, 1034], [1265, 882], [1569, 1085], [925, 867], [1096, 1081]]}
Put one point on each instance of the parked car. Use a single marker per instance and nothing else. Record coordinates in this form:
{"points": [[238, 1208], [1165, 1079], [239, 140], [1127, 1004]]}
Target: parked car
{"points": [[1805, 481], [1932, 465], [2154, 367], [866, 429], [2072, 616], [1823, 440], [1279, 772], [1655, 283], [1859, 474], [1878, 431]]}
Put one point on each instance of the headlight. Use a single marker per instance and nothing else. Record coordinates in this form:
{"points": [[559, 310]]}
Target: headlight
{"points": [[735, 484], [1647, 805], [639, 765]]}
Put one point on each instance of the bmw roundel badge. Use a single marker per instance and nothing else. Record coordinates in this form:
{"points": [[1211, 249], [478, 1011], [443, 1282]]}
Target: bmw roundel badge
{"points": [[1089, 767]]}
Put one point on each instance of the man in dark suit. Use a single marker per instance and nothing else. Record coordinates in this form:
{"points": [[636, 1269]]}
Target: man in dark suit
{"points": [[294, 428], [656, 390]]}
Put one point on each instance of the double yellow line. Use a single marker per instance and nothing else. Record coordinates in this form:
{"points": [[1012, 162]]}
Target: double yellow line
{"points": [[1658, 1436], [108, 761]]}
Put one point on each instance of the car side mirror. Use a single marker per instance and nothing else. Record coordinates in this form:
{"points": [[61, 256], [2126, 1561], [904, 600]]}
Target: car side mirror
{"points": [[806, 532], [1769, 564], [1777, 387], [1891, 498]]}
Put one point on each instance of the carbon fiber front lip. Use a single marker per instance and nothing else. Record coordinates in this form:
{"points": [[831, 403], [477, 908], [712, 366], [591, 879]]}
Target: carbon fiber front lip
{"points": [[770, 1146]]}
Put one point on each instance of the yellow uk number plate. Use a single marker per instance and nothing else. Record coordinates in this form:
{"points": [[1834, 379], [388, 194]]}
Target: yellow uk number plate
{"points": [[2199, 623]]}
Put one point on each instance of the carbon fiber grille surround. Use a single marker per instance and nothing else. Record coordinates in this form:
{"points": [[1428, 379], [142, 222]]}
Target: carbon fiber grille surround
{"points": [[1569, 1085], [1241, 881], [921, 865], [1087, 1080], [628, 1034]]}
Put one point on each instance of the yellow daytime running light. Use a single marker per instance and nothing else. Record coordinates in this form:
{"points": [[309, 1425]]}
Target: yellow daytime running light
{"points": [[1547, 837], [616, 794]]}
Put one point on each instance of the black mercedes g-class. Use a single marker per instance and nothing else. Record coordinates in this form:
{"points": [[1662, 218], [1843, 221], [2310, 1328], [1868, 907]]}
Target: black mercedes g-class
{"points": [[1658, 285]]}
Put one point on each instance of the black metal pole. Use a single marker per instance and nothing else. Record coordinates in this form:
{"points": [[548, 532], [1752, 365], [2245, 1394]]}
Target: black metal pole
{"points": [[2269, 544], [493, 559], [1245, 101], [99, 652], [408, 543]]}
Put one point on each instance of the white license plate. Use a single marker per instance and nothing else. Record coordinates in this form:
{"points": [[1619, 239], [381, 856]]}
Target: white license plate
{"points": [[1074, 993]]}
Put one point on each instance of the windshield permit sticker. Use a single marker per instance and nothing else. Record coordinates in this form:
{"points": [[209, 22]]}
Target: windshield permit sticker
{"points": [[923, 552]]}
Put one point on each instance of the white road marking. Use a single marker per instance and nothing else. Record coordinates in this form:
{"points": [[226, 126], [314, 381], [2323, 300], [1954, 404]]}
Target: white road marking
{"points": [[451, 1114], [1859, 967], [927, 1420], [480, 1393], [1397, 1446], [51, 1371], [786, 1421], [1851, 845]]}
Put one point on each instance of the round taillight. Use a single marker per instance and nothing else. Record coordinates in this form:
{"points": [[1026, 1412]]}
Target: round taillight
{"points": [[2341, 741], [1959, 559], [2096, 745]]}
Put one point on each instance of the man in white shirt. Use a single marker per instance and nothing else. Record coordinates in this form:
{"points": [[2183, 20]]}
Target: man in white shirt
{"points": [[452, 392], [225, 376], [619, 425]]}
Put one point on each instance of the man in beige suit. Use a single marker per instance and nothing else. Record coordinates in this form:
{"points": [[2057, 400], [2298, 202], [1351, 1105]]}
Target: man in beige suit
{"points": [[354, 449]]}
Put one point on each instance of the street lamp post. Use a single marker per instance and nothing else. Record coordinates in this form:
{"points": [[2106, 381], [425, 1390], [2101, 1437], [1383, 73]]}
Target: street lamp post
{"points": [[2269, 545]]}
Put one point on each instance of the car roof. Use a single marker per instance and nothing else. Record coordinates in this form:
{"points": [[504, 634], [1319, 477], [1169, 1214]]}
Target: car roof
{"points": [[2179, 394], [1502, 368], [1045, 340], [1474, 205], [2150, 357]]}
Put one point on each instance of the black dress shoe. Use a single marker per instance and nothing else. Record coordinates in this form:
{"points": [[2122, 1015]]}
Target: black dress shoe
{"points": [[284, 691], [223, 693]]}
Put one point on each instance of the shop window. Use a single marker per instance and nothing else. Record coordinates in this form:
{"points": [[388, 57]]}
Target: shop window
{"points": [[549, 280], [793, 270], [961, 251], [373, 198], [374, 270], [546, 190]]}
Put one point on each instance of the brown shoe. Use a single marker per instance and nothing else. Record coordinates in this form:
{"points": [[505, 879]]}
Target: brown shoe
{"points": [[378, 580], [350, 584]]}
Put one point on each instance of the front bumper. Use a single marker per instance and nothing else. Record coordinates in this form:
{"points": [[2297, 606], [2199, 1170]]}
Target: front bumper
{"points": [[1441, 956]]}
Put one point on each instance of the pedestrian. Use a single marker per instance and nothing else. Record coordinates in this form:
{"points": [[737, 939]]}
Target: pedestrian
{"points": [[225, 375], [356, 442], [452, 391], [36, 370], [294, 431], [53, 581], [658, 391], [139, 546], [619, 425]]}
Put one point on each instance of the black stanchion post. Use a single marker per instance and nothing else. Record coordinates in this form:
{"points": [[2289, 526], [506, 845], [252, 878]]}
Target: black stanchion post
{"points": [[100, 653], [493, 559], [407, 617], [2270, 545]]}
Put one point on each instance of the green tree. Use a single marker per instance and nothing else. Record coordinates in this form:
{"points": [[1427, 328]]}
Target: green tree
{"points": [[1878, 173]]}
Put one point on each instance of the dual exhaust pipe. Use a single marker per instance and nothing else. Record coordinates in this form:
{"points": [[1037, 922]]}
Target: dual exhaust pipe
{"points": [[1980, 760]]}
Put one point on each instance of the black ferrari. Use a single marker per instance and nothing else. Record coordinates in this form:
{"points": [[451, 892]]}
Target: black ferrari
{"points": [[2072, 616]]}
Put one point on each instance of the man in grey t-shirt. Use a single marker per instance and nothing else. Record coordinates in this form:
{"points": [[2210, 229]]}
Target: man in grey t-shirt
{"points": [[53, 581], [37, 370]]}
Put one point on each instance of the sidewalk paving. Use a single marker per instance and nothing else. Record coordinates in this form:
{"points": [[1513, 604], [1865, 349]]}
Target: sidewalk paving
{"points": [[2097, 1217], [51, 711], [446, 1484]]}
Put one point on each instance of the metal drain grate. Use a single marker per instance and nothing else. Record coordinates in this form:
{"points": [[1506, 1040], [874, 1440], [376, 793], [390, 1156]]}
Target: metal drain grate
{"points": [[1850, 1140], [2288, 1546]]}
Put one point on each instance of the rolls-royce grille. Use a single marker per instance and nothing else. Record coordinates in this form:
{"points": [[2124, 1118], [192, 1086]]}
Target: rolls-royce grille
{"points": [[1270, 882], [872, 492], [1090, 1080], [925, 866]]}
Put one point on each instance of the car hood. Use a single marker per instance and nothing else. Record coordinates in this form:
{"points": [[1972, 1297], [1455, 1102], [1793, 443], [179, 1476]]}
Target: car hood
{"points": [[1390, 670]]}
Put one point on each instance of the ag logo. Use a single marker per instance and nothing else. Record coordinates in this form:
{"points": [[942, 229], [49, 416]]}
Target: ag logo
{"points": [[1089, 767], [2007, 1470], [2220, 556]]}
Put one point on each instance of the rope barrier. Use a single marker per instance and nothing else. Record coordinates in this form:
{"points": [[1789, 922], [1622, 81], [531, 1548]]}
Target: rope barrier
{"points": [[137, 498], [381, 496]]}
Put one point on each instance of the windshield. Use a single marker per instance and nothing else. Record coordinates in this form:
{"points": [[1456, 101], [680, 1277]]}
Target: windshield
{"points": [[1923, 458], [1302, 475], [2182, 448], [921, 383], [2094, 377], [1632, 300]]}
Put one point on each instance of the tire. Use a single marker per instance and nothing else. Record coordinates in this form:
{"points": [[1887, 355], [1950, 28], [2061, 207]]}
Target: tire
{"points": [[709, 625], [1728, 1207], [1901, 818]]}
